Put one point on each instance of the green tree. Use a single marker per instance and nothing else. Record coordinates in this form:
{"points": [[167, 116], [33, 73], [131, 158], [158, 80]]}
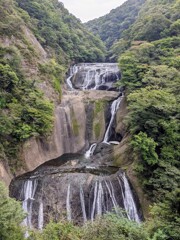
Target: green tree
{"points": [[11, 216]]}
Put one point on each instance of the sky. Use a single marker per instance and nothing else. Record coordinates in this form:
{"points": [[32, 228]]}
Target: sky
{"points": [[89, 9]]}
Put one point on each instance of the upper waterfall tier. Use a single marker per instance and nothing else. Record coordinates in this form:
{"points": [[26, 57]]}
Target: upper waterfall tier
{"points": [[97, 76]]}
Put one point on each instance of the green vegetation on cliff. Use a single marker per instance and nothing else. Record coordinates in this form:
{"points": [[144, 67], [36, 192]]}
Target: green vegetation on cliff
{"points": [[24, 112], [151, 77], [156, 20], [150, 74], [61, 33]]}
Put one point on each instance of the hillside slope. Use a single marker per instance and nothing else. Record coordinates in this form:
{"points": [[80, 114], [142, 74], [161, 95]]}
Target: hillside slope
{"points": [[150, 64], [110, 27], [156, 20]]}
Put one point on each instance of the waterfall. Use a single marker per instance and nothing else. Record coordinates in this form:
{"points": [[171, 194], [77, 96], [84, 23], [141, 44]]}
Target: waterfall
{"points": [[105, 199], [129, 202], [83, 188], [40, 216], [68, 204], [29, 190], [91, 150], [88, 79], [97, 80], [94, 202], [100, 200], [93, 75], [73, 70], [114, 108], [83, 204], [111, 193]]}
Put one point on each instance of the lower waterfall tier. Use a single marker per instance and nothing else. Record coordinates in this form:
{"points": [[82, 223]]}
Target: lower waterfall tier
{"points": [[74, 192]]}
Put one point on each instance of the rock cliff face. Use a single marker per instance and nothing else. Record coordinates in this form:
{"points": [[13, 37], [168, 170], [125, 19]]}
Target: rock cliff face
{"points": [[5, 174], [74, 127]]}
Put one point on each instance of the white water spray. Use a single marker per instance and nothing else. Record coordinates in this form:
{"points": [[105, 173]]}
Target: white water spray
{"points": [[68, 204], [114, 107], [91, 150], [40, 216]]}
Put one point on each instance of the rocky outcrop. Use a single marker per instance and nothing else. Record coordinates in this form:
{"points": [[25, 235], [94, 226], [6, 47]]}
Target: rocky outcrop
{"points": [[73, 129], [121, 114], [5, 174]]}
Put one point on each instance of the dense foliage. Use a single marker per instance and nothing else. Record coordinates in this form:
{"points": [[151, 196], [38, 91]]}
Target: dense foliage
{"points": [[156, 20], [11, 215], [62, 33], [24, 112], [111, 26], [151, 78], [109, 227]]}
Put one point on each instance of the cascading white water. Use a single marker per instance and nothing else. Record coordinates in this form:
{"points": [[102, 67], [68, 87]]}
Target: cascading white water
{"points": [[111, 193], [114, 108], [68, 204], [88, 79], [29, 190], [97, 80], [100, 200], [73, 70], [129, 202], [40, 216], [105, 199], [91, 150], [94, 202], [93, 75], [83, 204]]}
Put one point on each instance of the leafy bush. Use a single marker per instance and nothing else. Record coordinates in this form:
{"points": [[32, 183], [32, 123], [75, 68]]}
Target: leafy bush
{"points": [[23, 110], [11, 215], [61, 33]]}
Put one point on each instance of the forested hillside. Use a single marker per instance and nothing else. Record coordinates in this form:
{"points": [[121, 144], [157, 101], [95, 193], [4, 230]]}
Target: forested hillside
{"points": [[156, 20], [61, 32], [150, 73], [110, 27]]}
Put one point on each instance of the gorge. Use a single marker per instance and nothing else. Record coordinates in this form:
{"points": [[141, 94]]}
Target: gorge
{"points": [[89, 122], [83, 183]]}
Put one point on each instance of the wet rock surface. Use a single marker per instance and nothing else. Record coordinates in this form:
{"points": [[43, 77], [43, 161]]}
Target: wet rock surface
{"points": [[74, 188]]}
